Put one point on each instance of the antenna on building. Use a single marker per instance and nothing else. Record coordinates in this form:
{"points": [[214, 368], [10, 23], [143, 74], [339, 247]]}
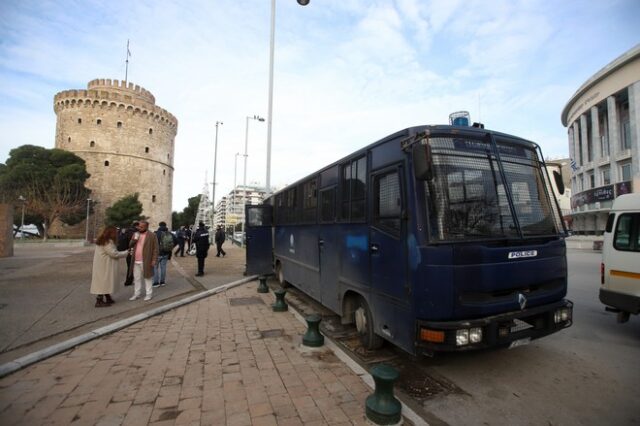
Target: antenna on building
{"points": [[126, 68]]}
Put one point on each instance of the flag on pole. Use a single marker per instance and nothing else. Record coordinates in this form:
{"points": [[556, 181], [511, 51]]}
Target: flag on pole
{"points": [[128, 51], [574, 166]]}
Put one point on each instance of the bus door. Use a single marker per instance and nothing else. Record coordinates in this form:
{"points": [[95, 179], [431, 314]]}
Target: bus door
{"points": [[387, 245], [328, 249], [259, 239]]}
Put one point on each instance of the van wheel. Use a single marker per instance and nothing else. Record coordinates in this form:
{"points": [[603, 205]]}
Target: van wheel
{"points": [[365, 326], [280, 275]]}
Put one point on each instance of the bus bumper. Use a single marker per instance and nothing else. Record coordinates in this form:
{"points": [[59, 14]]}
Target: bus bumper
{"points": [[509, 329], [625, 302]]}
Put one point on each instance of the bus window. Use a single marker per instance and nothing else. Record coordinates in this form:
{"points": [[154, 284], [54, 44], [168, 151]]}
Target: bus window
{"points": [[309, 201], [353, 190], [328, 205], [387, 208]]}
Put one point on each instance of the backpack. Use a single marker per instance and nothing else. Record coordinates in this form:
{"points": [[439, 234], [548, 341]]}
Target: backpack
{"points": [[166, 242]]}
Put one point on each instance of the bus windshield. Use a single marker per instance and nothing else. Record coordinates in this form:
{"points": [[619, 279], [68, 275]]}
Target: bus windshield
{"points": [[477, 190]]}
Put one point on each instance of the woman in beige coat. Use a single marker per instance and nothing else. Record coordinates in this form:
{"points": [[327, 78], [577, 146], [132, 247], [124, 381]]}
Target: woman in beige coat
{"points": [[105, 266]]}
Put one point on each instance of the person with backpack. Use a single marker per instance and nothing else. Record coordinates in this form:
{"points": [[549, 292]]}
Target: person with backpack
{"points": [[166, 242], [201, 241]]}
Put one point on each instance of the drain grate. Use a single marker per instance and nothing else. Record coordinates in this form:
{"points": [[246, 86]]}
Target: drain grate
{"points": [[278, 332], [244, 301]]}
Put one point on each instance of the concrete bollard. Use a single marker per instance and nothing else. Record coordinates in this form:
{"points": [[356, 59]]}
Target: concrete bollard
{"points": [[280, 305], [312, 337], [382, 407], [262, 287]]}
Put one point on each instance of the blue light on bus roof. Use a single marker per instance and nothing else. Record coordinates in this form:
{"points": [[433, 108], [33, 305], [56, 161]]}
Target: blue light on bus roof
{"points": [[460, 118]]}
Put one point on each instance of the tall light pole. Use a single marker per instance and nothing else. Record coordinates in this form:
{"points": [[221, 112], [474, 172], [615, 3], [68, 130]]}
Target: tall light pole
{"points": [[23, 201], [244, 182], [86, 232], [270, 108], [235, 193], [215, 166]]}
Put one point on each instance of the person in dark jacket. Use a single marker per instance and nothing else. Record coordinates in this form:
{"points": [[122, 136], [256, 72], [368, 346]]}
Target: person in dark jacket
{"points": [[220, 237], [123, 244], [166, 242], [180, 235], [201, 240]]}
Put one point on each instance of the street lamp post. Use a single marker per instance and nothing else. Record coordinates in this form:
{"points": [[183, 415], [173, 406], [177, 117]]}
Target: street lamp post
{"points": [[24, 201], [246, 147], [86, 232], [270, 108], [235, 193], [215, 166]]}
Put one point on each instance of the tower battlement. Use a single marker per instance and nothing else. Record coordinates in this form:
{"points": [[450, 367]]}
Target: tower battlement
{"points": [[107, 93]]}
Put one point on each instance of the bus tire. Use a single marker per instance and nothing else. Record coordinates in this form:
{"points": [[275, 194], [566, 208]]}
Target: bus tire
{"points": [[280, 275], [365, 326]]}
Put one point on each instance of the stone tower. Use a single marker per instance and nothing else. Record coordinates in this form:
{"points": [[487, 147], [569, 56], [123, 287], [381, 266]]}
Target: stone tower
{"points": [[126, 140]]}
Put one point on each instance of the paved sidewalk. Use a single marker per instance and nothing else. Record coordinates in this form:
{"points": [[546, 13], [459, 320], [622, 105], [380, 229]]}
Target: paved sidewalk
{"points": [[227, 359]]}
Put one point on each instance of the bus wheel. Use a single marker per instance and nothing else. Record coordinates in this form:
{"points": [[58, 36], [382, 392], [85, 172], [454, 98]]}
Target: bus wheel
{"points": [[364, 326], [280, 275]]}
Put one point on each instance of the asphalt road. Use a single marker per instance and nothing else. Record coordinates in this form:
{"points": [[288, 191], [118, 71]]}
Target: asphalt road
{"points": [[587, 374]]}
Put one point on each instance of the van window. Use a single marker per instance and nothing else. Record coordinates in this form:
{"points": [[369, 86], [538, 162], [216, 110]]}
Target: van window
{"points": [[609, 226], [626, 234]]}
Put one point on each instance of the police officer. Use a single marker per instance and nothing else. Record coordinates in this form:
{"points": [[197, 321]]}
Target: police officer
{"points": [[201, 240]]}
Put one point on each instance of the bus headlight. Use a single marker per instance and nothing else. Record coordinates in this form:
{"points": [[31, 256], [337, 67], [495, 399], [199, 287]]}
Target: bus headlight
{"points": [[562, 315], [475, 335], [462, 337]]}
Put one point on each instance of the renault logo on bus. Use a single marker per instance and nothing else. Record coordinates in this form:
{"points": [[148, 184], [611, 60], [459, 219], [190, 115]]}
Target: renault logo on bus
{"points": [[522, 254], [522, 301]]}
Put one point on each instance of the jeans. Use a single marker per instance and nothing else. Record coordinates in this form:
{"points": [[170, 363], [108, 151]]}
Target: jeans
{"points": [[160, 270]]}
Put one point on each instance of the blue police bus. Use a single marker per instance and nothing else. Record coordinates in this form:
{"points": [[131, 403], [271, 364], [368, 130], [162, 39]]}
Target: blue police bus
{"points": [[435, 238]]}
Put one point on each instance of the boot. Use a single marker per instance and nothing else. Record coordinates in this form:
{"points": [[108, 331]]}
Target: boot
{"points": [[109, 300], [100, 303]]}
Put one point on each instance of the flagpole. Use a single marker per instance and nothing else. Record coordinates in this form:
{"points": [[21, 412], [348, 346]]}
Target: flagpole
{"points": [[126, 69]]}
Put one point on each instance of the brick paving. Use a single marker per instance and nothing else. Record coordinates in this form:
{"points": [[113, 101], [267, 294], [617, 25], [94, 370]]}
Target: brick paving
{"points": [[212, 362]]}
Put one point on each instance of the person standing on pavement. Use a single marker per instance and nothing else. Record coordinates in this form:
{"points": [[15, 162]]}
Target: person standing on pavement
{"points": [[181, 240], [166, 242], [188, 234], [220, 237], [124, 238], [104, 275], [145, 255], [201, 240]]}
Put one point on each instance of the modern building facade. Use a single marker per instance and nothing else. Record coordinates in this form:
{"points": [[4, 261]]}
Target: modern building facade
{"points": [[126, 140], [603, 125], [230, 209]]}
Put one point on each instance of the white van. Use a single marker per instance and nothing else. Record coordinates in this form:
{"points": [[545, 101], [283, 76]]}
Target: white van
{"points": [[620, 268]]}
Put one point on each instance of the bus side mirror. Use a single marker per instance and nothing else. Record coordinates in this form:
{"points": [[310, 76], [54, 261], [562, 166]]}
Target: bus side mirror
{"points": [[422, 161], [559, 182]]}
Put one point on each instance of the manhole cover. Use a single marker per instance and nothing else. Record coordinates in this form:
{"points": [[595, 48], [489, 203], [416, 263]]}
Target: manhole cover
{"points": [[244, 301]]}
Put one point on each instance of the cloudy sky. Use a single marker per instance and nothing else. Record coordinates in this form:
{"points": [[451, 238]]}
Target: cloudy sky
{"points": [[347, 72]]}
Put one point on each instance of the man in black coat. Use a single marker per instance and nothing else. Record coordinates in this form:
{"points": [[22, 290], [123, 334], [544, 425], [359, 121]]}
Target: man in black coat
{"points": [[201, 240], [219, 241], [123, 244]]}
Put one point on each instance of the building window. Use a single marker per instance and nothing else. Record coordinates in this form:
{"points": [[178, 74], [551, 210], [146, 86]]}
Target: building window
{"points": [[150, 131], [69, 139], [119, 124], [153, 198], [592, 180], [98, 121], [606, 176], [625, 171], [164, 172], [603, 124], [79, 120], [92, 144], [625, 126], [146, 149], [106, 163]]}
